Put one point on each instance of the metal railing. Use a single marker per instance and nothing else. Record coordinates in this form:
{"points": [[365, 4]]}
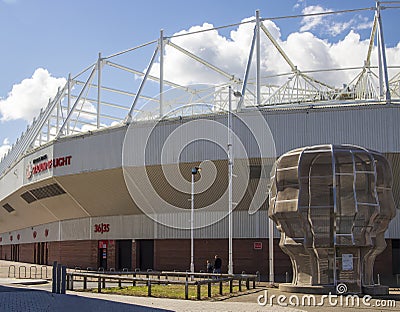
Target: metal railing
{"points": [[186, 279]]}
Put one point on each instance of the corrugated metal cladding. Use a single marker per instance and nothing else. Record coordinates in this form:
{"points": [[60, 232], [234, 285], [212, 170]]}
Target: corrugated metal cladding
{"points": [[394, 160], [139, 227], [371, 126], [394, 227], [245, 225], [196, 139]]}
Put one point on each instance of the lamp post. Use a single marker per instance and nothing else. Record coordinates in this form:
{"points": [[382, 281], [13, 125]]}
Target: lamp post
{"points": [[195, 170], [230, 174]]}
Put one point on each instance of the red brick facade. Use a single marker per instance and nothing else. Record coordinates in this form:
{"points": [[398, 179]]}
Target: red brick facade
{"points": [[174, 254]]}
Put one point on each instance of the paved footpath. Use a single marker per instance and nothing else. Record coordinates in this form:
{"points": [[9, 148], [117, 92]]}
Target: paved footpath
{"points": [[30, 298], [16, 297]]}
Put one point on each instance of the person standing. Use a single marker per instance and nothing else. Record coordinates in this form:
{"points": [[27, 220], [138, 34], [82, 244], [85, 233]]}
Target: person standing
{"points": [[209, 267], [217, 264]]}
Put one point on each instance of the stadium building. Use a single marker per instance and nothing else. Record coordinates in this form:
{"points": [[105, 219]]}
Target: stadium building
{"points": [[102, 177]]}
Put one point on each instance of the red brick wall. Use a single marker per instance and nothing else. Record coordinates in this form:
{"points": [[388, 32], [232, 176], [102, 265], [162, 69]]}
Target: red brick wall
{"points": [[172, 255], [74, 253], [6, 252], [175, 255], [26, 253]]}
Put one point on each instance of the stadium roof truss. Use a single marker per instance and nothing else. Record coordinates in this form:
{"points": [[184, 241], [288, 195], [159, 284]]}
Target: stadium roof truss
{"points": [[86, 102]]}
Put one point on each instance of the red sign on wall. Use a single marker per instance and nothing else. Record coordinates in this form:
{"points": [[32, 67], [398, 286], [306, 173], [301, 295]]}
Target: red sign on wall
{"points": [[103, 244], [257, 245]]}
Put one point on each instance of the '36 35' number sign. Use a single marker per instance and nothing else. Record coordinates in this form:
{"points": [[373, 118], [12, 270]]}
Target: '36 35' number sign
{"points": [[102, 228]]}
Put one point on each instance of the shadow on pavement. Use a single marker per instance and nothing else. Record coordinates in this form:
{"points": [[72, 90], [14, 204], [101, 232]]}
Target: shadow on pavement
{"points": [[22, 299], [13, 289]]}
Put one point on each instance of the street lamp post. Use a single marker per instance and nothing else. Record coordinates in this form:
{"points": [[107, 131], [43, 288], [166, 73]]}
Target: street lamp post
{"points": [[230, 174], [195, 170]]}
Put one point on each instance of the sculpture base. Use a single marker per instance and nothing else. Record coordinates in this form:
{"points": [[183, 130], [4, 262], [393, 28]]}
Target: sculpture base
{"points": [[375, 290], [307, 289]]}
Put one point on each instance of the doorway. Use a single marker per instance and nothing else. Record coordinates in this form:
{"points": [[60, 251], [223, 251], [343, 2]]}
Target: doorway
{"points": [[14, 252], [146, 254], [124, 254], [41, 253]]}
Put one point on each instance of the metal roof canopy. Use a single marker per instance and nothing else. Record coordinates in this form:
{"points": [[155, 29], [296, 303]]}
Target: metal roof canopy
{"points": [[83, 105]]}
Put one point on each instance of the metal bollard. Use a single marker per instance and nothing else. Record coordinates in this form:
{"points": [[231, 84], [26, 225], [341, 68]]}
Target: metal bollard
{"points": [[58, 278], [70, 282], [198, 291], [63, 279], [186, 290], [149, 288], [54, 279]]}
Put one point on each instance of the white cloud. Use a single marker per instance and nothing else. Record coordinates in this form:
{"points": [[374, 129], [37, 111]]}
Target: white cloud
{"points": [[208, 45], [229, 54], [306, 50], [4, 147], [311, 22], [27, 98], [331, 25], [363, 23], [85, 110]]}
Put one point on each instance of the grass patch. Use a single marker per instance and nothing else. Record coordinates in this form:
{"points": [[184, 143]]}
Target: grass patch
{"points": [[168, 291]]}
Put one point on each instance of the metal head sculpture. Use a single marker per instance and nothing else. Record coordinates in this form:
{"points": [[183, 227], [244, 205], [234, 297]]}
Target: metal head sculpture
{"points": [[332, 205]]}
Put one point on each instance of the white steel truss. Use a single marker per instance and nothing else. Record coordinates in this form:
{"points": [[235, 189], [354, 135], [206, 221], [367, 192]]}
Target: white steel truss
{"points": [[88, 101]]}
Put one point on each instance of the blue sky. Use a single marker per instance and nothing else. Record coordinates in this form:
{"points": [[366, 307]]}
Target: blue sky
{"points": [[64, 37]]}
